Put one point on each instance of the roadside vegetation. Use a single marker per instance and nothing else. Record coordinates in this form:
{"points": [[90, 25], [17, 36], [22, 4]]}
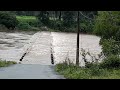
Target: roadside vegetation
{"points": [[109, 68], [6, 63]]}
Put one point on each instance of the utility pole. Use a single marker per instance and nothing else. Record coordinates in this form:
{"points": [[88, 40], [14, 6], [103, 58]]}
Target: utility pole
{"points": [[77, 51], [60, 15]]}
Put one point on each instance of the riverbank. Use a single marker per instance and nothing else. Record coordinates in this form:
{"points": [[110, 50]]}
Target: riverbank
{"points": [[74, 72]]}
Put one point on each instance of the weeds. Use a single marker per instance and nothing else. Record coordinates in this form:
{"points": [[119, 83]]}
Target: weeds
{"points": [[108, 68]]}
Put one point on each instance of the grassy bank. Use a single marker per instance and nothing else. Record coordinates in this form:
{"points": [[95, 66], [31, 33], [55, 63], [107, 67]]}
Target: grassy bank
{"points": [[73, 72], [28, 23], [6, 63]]}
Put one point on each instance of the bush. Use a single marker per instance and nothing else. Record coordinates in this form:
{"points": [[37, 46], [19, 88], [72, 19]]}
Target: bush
{"points": [[8, 19], [86, 26], [23, 25], [2, 27], [110, 46], [33, 23], [118, 35], [112, 61]]}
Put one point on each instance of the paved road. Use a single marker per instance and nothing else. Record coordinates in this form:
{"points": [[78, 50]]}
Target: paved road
{"points": [[29, 71]]}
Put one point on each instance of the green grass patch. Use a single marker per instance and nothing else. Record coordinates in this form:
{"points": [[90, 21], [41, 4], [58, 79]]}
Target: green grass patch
{"points": [[74, 72], [28, 23], [25, 18], [31, 20], [6, 63]]}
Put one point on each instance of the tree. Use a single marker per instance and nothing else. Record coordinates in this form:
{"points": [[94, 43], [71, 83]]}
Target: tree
{"points": [[8, 19], [68, 18], [107, 24], [87, 21], [44, 17]]}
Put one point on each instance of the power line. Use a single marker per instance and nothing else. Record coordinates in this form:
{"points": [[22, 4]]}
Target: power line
{"points": [[96, 19], [85, 16]]}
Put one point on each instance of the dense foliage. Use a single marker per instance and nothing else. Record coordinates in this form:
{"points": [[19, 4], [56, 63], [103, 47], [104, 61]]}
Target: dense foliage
{"points": [[107, 25], [8, 19]]}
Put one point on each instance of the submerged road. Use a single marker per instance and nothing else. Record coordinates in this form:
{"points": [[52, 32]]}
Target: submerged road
{"points": [[36, 64], [38, 49]]}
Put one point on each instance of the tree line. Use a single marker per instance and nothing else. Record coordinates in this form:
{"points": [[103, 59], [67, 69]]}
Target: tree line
{"points": [[61, 20]]}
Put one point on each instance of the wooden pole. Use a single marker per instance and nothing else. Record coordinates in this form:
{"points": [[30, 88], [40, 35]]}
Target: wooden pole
{"points": [[77, 51]]}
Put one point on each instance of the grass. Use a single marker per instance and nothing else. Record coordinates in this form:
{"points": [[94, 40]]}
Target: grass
{"points": [[25, 18], [74, 72], [6, 63]]}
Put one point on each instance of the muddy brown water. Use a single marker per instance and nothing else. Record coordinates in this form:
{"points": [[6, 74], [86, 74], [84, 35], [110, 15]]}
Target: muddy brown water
{"points": [[11, 44], [63, 44]]}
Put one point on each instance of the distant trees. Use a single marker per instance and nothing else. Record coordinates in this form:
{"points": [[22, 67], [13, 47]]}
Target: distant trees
{"points": [[68, 18], [61, 20], [87, 21], [25, 13], [8, 19], [44, 17]]}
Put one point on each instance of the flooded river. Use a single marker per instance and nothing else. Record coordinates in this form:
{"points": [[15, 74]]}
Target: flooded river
{"points": [[12, 43], [64, 45]]}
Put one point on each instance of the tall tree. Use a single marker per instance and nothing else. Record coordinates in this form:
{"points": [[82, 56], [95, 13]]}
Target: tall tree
{"points": [[107, 24]]}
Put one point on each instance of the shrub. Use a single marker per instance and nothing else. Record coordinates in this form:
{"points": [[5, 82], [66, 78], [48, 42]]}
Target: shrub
{"points": [[2, 27], [117, 35], [23, 25], [33, 23], [110, 46], [112, 61]]}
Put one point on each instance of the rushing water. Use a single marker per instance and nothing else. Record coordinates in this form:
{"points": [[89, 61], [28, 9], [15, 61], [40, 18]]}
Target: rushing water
{"points": [[11, 44], [64, 44]]}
